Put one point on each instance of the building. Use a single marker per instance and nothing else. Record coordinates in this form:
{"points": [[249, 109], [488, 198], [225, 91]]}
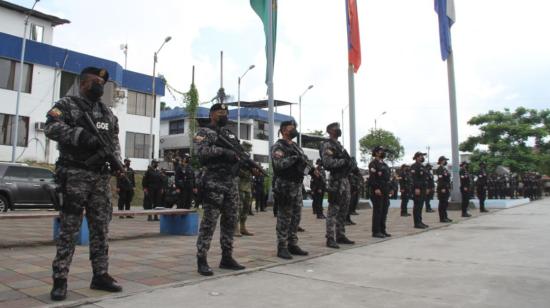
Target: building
{"points": [[175, 138], [52, 72]]}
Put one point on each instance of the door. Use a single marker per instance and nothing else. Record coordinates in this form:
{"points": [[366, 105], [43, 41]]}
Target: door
{"points": [[42, 180], [17, 178]]}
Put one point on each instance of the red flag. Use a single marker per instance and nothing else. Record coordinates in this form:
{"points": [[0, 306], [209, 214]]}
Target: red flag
{"points": [[354, 39]]}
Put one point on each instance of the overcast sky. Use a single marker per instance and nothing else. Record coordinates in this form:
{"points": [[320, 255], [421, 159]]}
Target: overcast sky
{"points": [[501, 47]]}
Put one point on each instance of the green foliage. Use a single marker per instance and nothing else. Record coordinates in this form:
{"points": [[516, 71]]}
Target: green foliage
{"points": [[516, 140], [383, 138], [191, 101]]}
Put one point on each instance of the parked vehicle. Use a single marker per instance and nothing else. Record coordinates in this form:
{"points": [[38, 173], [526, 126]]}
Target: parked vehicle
{"points": [[25, 187]]}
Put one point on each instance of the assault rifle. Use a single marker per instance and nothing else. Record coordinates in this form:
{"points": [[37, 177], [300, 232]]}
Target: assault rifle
{"points": [[308, 166], [242, 155]]}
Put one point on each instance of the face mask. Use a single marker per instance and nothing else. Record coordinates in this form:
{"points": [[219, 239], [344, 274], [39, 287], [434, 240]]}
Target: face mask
{"points": [[422, 160], [445, 164], [338, 133], [382, 155], [293, 134], [222, 121], [95, 92]]}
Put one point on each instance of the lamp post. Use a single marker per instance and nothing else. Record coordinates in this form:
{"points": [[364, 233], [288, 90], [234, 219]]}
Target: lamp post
{"points": [[166, 40], [124, 48], [375, 131], [239, 102], [15, 131], [300, 111]]}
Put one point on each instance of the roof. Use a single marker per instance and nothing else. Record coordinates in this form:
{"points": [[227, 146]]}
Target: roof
{"points": [[56, 21], [246, 113], [260, 104], [73, 62]]}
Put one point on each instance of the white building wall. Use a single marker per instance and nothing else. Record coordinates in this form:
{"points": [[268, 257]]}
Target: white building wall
{"points": [[12, 22]]}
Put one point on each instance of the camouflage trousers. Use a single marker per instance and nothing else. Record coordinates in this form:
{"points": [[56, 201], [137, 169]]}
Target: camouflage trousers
{"points": [[220, 196], [289, 199], [338, 203], [245, 204], [89, 191]]}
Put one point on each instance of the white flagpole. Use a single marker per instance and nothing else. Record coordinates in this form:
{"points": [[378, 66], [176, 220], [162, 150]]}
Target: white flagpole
{"points": [[271, 117], [455, 195], [351, 87]]}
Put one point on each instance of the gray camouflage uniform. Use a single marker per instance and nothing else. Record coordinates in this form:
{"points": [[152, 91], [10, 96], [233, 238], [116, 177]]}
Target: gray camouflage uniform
{"points": [[219, 189], [84, 187], [288, 190], [334, 160]]}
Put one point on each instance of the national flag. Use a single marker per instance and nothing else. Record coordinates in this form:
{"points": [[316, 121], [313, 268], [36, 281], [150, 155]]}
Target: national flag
{"points": [[262, 10], [446, 12], [354, 39]]}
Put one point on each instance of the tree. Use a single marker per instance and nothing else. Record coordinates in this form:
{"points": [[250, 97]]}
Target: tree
{"points": [[516, 140], [191, 101], [383, 138]]}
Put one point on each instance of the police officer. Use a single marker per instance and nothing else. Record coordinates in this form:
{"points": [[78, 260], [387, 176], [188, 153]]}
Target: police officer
{"points": [[481, 187], [84, 185], [430, 187], [418, 174], [443, 188], [380, 191], [185, 183], [405, 187], [355, 183], [219, 189], [465, 188], [126, 183], [259, 193], [318, 184], [245, 196], [289, 163], [338, 162], [153, 185]]}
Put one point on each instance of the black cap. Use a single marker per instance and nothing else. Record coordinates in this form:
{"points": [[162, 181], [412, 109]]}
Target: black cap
{"points": [[463, 163], [127, 159], [442, 158], [218, 106], [418, 154], [333, 125], [318, 161], [90, 70], [288, 123], [377, 148]]}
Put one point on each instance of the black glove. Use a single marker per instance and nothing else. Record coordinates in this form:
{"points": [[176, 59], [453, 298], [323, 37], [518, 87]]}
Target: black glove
{"points": [[229, 155], [88, 141]]}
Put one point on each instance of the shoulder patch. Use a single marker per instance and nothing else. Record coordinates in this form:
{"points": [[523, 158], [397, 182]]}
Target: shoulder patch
{"points": [[278, 154], [198, 138], [329, 152], [373, 169], [55, 112]]}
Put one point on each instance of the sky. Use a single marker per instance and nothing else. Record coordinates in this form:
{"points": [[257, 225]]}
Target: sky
{"points": [[501, 50]]}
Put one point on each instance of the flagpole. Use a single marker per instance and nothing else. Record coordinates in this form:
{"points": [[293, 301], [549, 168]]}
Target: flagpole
{"points": [[455, 195], [351, 87], [271, 118]]}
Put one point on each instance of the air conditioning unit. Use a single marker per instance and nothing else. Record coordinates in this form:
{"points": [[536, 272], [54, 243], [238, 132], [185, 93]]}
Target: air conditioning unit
{"points": [[39, 126], [120, 94]]}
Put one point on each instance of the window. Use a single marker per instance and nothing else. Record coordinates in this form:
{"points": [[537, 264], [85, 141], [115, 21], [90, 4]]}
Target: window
{"points": [[261, 158], [245, 131], [141, 104], [37, 174], [37, 33], [9, 75], [6, 126], [176, 127], [261, 130], [138, 145], [17, 173]]}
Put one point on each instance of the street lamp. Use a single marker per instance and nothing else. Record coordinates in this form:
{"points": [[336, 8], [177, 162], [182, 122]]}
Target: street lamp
{"points": [[21, 69], [300, 111], [239, 102], [375, 119], [166, 40]]}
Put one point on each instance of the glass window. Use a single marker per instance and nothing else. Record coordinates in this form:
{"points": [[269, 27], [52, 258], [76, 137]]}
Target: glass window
{"points": [[150, 112], [137, 145], [261, 158], [9, 75], [16, 173], [176, 127], [132, 101], [37, 33], [140, 109], [40, 174], [141, 104], [6, 126], [108, 94], [130, 144], [260, 129], [69, 85]]}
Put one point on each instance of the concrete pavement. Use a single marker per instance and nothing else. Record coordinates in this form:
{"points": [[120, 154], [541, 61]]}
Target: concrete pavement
{"points": [[496, 260]]}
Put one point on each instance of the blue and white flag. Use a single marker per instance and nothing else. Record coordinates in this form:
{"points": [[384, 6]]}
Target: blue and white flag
{"points": [[446, 12]]}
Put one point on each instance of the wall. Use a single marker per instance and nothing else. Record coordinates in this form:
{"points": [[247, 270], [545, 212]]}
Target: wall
{"points": [[13, 23]]}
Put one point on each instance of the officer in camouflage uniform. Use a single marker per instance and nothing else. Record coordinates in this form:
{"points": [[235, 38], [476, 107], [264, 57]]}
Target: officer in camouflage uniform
{"points": [[219, 189], [289, 166], [84, 184], [245, 196], [443, 189], [338, 162]]}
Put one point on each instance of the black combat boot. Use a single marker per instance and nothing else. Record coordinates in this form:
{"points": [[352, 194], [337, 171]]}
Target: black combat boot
{"points": [[465, 214], [386, 234], [344, 240], [229, 263], [105, 283], [331, 243], [283, 253], [483, 210], [296, 250], [59, 289], [378, 235], [203, 268]]}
